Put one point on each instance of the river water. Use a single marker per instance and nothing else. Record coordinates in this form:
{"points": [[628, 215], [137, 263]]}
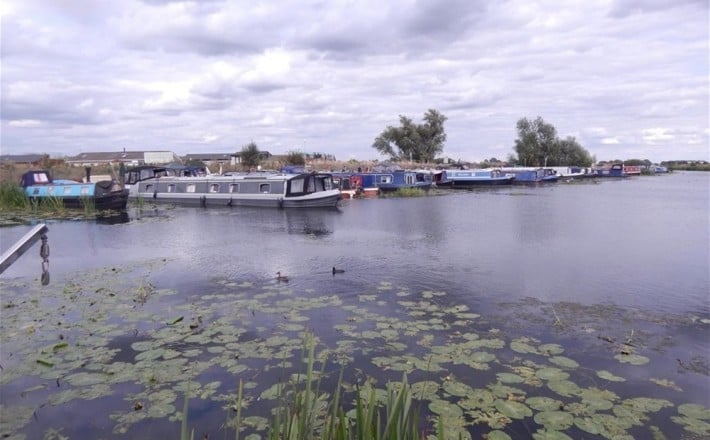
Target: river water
{"points": [[577, 264]]}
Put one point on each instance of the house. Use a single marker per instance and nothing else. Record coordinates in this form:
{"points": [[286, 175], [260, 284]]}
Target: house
{"points": [[22, 159], [212, 158], [128, 158], [221, 158]]}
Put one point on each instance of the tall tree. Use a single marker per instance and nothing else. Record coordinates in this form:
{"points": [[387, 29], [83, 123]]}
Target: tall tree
{"points": [[538, 145], [250, 155], [296, 158], [419, 142]]}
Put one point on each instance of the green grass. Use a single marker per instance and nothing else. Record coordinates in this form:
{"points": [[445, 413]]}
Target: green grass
{"points": [[12, 197], [409, 192], [305, 412]]}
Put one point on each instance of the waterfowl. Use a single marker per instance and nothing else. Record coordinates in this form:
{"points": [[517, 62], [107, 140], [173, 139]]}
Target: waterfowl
{"points": [[338, 270], [281, 278]]}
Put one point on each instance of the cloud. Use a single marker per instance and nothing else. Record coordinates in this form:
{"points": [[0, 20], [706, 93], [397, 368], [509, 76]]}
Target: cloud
{"points": [[622, 77]]}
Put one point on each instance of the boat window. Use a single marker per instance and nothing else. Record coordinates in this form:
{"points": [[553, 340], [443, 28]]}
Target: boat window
{"points": [[50, 190], [67, 190], [84, 190], [386, 179], [214, 187], [265, 188], [409, 179], [297, 185], [41, 178], [190, 188], [233, 187], [171, 188]]}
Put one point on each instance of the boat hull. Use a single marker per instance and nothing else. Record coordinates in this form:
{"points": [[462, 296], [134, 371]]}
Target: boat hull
{"points": [[267, 191], [469, 183], [101, 196]]}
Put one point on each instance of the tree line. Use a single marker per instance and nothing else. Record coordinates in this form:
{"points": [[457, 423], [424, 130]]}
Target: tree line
{"points": [[537, 145]]}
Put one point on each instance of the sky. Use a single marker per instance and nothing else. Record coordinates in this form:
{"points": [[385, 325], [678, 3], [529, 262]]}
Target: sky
{"points": [[626, 78]]}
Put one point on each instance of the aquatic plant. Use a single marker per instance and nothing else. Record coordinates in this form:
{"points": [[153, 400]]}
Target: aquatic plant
{"points": [[406, 192], [13, 197], [474, 375]]}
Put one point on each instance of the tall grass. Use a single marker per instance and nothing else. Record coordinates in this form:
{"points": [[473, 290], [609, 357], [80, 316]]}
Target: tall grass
{"points": [[305, 412], [409, 192], [13, 197]]}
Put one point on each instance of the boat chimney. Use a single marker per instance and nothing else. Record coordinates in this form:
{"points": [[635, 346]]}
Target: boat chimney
{"points": [[88, 174]]}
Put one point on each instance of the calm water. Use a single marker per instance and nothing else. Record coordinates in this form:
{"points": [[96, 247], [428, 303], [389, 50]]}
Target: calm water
{"points": [[513, 255]]}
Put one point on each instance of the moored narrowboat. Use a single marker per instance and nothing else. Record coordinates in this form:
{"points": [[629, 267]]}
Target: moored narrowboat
{"points": [[260, 189], [102, 195], [453, 178]]}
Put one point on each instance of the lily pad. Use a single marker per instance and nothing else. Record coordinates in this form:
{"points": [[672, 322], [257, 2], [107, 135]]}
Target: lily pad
{"points": [[633, 359], [513, 409], [542, 403], [694, 411], [603, 374], [563, 361], [554, 420], [498, 435]]}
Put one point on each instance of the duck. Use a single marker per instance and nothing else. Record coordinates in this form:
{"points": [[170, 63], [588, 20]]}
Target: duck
{"points": [[338, 270], [281, 278]]}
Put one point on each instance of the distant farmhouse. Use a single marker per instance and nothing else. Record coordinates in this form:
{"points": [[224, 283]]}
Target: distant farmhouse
{"points": [[22, 159], [128, 158], [220, 158]]}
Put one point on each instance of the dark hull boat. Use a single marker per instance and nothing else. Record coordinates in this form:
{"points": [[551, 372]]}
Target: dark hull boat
{"points": [[103, 195]]}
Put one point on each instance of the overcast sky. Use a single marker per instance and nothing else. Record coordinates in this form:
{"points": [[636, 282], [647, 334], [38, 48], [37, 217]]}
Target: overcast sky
{"points": [[626, 78]]}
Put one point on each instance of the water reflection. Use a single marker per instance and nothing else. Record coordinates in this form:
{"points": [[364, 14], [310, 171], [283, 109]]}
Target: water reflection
{"points": [[113, 218], [315, 223]]}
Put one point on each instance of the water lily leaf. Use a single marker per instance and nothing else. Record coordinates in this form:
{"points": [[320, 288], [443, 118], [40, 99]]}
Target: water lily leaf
{"points": [[542, 403], [257, 422], [550, 435], [456, 388], [691, 424], [552, 373], [564, 387], [513, 409], [482, 357], [667, 384], [425, 390], [445, 408], [588, 424], [480, 398], [498, 435], [563, 361], [694, 410], [554, 420], [523, 348], [603, 374], [551, 349], [633, 359], [647, 404], [509, 378]]}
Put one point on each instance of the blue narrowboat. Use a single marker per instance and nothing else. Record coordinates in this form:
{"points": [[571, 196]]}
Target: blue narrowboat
{"points": [[615, 170], [104, 195], [453, 178], [527, 176]]}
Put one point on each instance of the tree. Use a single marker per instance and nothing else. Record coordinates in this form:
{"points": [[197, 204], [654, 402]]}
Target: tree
{"points": [[419, 142], [538, 145], [296, 158], [250, 155]]}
